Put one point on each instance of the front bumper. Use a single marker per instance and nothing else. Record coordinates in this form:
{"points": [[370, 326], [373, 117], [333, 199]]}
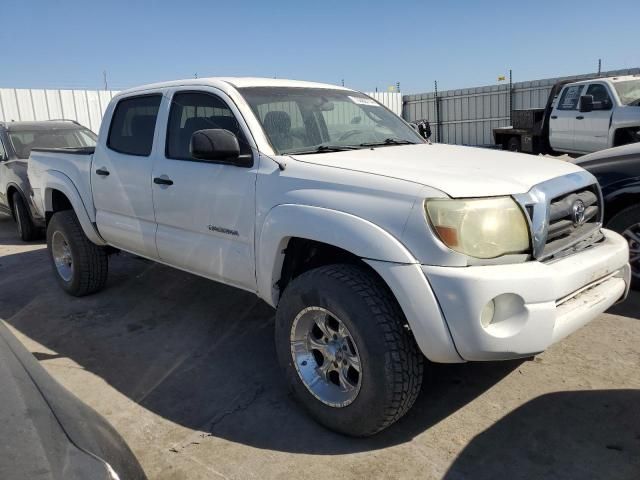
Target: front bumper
{"points": [[536, 304]]}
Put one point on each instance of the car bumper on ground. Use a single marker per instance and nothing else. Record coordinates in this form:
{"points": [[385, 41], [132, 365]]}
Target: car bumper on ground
{"points": [[509, 311]]}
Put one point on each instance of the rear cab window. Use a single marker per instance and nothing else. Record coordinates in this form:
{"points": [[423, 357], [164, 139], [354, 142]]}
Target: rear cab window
{"points": [[133, 125]]}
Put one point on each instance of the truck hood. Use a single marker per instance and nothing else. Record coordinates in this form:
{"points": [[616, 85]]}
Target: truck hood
{"points": [[456, 171]]}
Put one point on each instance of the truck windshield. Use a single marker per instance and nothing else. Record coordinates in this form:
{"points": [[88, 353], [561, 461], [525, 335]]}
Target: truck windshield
{"points": [[629, 92], [317, 120], [24, 140]]}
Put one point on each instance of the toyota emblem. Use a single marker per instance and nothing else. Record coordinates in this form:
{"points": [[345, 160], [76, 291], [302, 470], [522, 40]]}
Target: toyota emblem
{"points": [[578, 210]]}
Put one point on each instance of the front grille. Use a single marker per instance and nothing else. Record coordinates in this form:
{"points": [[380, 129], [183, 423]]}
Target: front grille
{"points": [[572, 218]]}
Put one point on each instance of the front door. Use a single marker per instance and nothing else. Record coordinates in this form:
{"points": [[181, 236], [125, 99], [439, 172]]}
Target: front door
{"points": [[563, 119], [121, 176], [592, 128], [205, 211]]}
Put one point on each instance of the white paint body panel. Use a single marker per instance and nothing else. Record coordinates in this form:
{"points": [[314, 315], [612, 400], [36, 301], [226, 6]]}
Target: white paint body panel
{"points": [[368, 202], [574, 131]]}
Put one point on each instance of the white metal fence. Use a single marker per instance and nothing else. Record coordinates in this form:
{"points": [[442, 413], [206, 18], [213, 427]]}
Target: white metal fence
{"points": [[88, 106], [84, 106]]}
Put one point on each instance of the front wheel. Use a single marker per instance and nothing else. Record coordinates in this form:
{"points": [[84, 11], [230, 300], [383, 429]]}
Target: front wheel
{"points": [[346, 351], [80, 266], [627, 223]]}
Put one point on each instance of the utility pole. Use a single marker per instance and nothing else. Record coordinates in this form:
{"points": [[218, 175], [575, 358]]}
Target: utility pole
{"points": [[599, 66], [510, 97], [104, 77], [343, 82], [437, 112]]}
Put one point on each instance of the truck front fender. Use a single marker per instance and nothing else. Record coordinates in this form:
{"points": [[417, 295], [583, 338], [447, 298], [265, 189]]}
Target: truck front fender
{"points": [[339, 229], [378, 248], [56, 180]]}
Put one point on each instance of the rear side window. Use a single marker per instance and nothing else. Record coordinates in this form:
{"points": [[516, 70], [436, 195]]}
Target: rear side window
{"points": [[570, 97], [133, 125]]}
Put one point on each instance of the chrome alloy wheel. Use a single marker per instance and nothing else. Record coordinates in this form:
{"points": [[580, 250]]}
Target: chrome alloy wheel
{"points": [[632, 235], [61, 252], [326, 357]]}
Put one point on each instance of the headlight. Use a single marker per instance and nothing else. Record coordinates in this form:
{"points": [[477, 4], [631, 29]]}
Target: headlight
{"points": [[481, 228]]}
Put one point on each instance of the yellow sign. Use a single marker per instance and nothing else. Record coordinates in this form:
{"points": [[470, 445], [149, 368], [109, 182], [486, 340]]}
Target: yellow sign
{"points": [[501, 78]]}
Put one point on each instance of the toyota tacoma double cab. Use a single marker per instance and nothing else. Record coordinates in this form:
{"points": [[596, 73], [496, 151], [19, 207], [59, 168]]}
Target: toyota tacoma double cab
{"points": [[377, 249]]}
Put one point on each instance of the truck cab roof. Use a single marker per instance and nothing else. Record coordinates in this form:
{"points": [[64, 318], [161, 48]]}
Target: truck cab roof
{"points": [[236, 82]]}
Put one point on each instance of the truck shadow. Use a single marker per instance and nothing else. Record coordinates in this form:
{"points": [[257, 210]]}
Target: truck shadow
{"points": [[201, 354], [583, 434]]}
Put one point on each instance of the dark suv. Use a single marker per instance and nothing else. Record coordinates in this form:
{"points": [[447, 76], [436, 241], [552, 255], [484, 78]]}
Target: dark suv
{"points": [[16, 141]]}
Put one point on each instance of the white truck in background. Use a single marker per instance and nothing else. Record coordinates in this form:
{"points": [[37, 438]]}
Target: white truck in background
{"points": [[579, 117], [377, 249]]}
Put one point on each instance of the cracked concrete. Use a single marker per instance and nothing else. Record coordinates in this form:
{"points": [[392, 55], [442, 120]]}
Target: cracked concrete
{"points": [[186, 370]]}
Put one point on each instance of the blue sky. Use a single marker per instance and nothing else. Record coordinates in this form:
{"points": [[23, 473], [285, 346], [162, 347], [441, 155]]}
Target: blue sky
{"points": [[68, 43]]}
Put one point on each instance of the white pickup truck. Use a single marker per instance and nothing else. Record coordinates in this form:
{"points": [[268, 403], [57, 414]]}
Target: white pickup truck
{"points": [[579, 117], [376, 248]]}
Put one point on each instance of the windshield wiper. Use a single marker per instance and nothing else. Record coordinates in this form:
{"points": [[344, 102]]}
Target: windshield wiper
{"points": [[388, 141], [323, 149]]}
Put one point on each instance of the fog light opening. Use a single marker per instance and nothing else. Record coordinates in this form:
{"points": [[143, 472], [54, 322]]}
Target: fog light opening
{"points": [[486, 317]]}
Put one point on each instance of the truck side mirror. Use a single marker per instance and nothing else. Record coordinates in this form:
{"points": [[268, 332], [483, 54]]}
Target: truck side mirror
{"points": [[586, 103], [217, 145]]}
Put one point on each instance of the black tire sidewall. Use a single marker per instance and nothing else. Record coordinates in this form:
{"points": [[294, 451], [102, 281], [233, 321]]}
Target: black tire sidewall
{"points": [[513, 141], [620, 222], [314, 289], [23, 220], [59, 222]]}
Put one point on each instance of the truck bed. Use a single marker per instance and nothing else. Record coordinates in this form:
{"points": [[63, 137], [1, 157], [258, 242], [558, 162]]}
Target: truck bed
{"points": [[76, 165]]}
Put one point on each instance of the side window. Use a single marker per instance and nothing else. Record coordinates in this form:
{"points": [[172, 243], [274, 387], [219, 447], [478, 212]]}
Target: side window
{"points": [[193, 111], [601, 98], [569, 98], [133, 125], [3, 152]]}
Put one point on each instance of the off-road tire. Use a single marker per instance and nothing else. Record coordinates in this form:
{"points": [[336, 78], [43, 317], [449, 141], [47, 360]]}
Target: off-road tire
{"points": [[26, 229], [392, 365], [90, 261], [620, 222]]}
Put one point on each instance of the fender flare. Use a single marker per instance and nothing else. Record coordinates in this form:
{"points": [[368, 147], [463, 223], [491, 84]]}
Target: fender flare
{"points": [[59, 181], [377, 247], [343, 230]]}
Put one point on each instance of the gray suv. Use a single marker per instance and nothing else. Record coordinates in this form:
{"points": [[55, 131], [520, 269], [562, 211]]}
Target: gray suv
{"points": [[16, 141]]}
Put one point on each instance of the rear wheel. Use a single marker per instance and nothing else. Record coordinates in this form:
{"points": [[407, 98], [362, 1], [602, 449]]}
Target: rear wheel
{"points": [[80, 266], [627, 223], [26, 229], [513, 145], [346, 351]]}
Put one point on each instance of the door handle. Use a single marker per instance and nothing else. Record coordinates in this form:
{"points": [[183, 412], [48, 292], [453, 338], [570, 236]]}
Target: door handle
{"points": [[579, 117], [554, 116], [162, 181], [102, 171]]}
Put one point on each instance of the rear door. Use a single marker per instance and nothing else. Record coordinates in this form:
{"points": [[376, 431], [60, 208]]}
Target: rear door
{"points": [[592, 128], [563, 119], [121, 175], [205, 211]]}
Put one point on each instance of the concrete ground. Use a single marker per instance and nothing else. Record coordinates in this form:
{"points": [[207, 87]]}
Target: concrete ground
{"points": [[186, 370]]}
